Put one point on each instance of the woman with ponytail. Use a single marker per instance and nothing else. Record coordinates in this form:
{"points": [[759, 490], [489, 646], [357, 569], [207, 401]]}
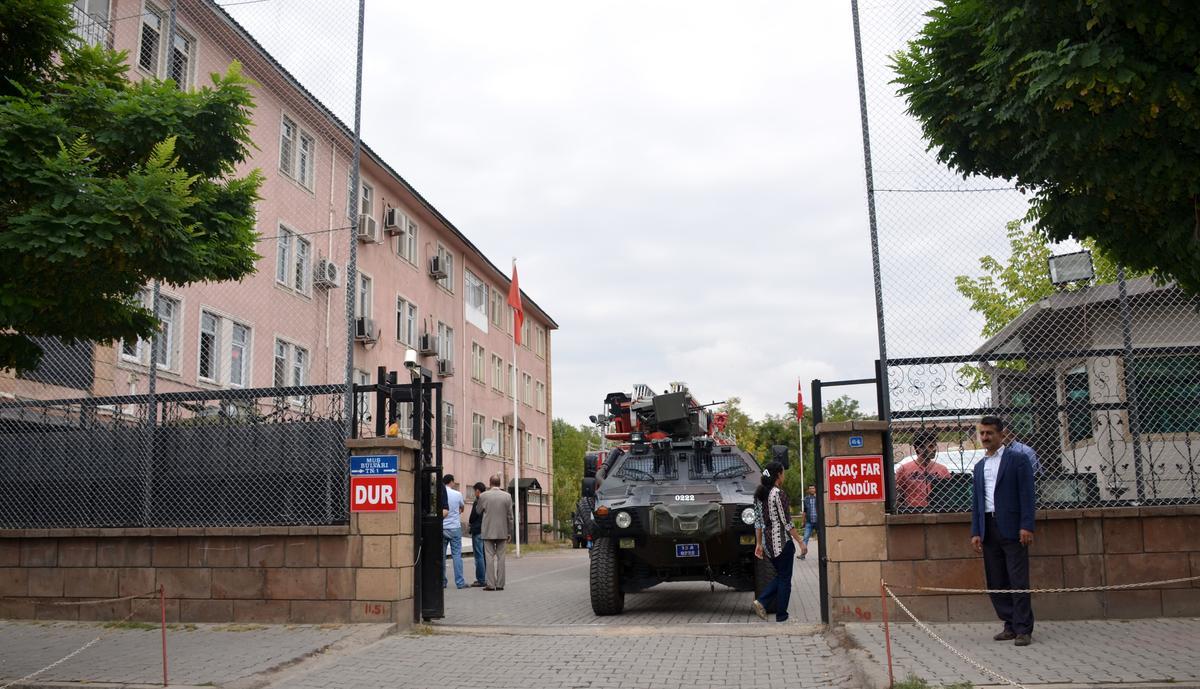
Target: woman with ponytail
{"points": [[776, 539]]}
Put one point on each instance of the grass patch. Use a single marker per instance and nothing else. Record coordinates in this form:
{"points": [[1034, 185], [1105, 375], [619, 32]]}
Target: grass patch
{"points": [[143, 626], [241, 628], [422, 630]]}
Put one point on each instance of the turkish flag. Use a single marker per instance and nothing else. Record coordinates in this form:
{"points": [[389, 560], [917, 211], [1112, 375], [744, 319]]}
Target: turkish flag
{"points": [[514, 300], [799, 401]]}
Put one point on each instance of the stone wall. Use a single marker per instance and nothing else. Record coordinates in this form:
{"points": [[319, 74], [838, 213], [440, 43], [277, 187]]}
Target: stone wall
{"points": [[1072, 548], [360, 572]]}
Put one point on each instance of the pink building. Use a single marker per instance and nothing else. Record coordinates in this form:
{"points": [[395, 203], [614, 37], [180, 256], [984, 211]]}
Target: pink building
{"points": [[421, 284]]}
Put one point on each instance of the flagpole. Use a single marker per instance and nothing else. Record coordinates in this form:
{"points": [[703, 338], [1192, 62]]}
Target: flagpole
{"points": [[516, 433]]}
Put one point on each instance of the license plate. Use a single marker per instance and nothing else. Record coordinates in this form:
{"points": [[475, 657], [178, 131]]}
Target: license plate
{"points": [[687, 550]]}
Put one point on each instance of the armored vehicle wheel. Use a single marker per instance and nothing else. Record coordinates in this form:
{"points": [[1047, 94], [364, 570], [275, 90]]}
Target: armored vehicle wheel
{"points": [[605, 578], [764, 572]]}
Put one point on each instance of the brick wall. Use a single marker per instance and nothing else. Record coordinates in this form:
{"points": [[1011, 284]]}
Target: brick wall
{"points": [[361, 572], [1072, 548]]}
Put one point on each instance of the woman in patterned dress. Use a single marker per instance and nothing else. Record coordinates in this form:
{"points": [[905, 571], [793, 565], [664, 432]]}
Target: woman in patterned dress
{"points": [[775, 538]]}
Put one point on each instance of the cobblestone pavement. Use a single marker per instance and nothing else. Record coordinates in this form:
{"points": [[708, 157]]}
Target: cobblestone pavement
{"points": [[586, 661], [552, 589], [198, 654], [1083, 652]]}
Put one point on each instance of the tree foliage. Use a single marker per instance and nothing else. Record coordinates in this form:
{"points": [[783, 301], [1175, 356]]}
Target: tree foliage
{"points": [[109, 185], [1092, 106], [570, 444]]}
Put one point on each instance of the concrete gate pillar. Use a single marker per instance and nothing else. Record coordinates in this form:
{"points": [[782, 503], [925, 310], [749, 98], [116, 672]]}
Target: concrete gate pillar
{"points": [[855, 533]]}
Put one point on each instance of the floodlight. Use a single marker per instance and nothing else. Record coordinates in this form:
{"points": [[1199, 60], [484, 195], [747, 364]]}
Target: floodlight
{"points": [[1067, 268]]}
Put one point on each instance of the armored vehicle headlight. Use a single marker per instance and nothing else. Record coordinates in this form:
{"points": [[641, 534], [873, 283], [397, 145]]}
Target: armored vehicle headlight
{"points": [[623, 520], [748, 516]]}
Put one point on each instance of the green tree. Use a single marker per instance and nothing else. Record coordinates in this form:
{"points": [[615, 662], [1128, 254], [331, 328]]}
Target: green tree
{"points": [[1093, 107], [109, 185], [844, 408], [743, 428], [570, 444], [1006, 289], [781, 430]]}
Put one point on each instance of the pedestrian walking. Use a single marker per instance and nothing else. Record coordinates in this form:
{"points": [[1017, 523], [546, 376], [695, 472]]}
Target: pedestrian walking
{"points": [[1002, 512], [496, 527], [775, 538], [475, 524], [452, 531], [811, 517]]}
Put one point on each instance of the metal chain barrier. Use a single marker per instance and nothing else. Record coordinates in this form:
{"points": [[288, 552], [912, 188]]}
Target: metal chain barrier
{"points": [[111, 627], [972, 662], [1074, 589]]}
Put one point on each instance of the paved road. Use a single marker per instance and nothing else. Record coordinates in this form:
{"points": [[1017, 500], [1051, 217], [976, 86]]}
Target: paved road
{"points": [[1084, 652], [552, 589]]}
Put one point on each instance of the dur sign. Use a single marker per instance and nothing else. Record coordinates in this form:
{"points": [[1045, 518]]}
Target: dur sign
{"points": [[373, 483], [854, 479]]}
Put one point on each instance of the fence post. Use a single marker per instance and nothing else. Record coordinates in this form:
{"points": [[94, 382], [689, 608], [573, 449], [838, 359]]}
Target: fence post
{"points": [[819, 482]]}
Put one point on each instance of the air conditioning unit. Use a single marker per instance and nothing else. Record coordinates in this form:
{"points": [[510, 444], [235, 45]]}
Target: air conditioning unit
{"points": [[393, 221], [327, 274], [364, 330], [427, 343], [445, 367], [437, 268], [367, 230]]}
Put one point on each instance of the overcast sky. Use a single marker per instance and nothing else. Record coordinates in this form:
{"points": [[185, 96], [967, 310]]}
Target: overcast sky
{"points": [[681, 182]]}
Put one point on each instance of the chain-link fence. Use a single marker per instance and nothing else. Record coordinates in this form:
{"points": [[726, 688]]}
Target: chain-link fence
{"points": [[1095, 370], [246, 383]]}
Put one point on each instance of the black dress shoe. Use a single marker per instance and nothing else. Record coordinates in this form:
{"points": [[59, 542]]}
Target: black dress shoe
{"points": [[1023, 640], [1006, 635]]}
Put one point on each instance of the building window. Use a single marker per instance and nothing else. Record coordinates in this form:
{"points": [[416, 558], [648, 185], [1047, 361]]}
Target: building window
{"points": [[239, 356], [168, 313], [497, 373], [151, 40], [362, 303], [526, 447], [477, 365], [1168, 389], [1077, 396], [526, 328], [497, 308], [498, 432], [291, 364], [210, 342], [179, 68], [91, 21], [540, 400], [293, 260], [510, 381], [539, 341], [541, 452], [475, 299], [406, 237], [447, 260], [448, 424], [526, 389], [297, 152], [477, 422], [445, 342], [406, 321], [366, 198]]}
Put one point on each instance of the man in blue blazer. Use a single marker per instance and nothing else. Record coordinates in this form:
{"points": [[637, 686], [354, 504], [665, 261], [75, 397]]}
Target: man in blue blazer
{"points": [[1002, 514]]}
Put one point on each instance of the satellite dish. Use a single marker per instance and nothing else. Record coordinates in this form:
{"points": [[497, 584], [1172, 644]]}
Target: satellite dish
{"points": [[489, 446]]}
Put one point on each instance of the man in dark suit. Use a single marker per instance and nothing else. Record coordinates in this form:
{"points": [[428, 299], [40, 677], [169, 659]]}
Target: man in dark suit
{"points": [[1002, 514]]}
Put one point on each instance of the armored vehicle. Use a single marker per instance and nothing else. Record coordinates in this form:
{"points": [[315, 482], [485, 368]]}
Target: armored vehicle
{"points": [[674, 500]]}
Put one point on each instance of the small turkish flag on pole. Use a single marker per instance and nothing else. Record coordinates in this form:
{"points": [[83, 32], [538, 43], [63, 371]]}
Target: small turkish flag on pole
{"points": [[799, 401], [514, 300]]}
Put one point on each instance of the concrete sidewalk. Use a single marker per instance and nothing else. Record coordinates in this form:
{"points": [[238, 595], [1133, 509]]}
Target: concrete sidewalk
{"points": [[1077, 653], [204, 654]]}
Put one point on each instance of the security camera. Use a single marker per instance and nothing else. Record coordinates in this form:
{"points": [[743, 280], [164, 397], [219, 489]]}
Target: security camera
{"points": [[410, 358]]}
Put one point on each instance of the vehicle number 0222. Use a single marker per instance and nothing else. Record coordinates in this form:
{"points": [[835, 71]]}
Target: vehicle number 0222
{"points": [[685, 498]]}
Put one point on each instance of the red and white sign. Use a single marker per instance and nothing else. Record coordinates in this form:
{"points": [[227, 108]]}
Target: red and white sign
{"points": [[854, 479], [372, 493]]}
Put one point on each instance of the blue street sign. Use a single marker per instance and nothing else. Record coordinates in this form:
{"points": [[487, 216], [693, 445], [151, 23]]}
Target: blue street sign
{"points": [[856, 441], [373, 465]]}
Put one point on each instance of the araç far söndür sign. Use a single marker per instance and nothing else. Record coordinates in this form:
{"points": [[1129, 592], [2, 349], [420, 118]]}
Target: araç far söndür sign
{"points": [[855, 479]]}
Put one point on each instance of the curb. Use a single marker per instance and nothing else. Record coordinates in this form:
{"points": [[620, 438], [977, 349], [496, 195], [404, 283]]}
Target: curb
{"points": [[732, 629]]}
